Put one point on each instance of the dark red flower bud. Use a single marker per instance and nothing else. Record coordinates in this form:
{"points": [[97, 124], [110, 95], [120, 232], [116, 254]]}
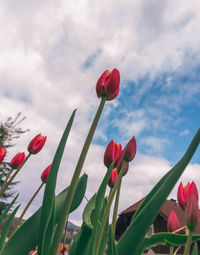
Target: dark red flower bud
{"points": [[119, 165], [112, 153], [192, 213], [2, 153], [113, 178], [130, 150], [173, 222], [36, 144], [108, 84], [17, 160], [45, 174], [184, 193]]}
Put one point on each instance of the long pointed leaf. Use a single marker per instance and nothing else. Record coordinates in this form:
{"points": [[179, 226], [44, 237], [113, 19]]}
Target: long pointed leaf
{"points": [[112, 249], [132, 239], [49, 192], [26, 237], [6, 227]]}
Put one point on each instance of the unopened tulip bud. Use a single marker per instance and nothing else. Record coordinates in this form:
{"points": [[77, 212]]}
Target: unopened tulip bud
{"points": [[173, 222], [17, 160], [45, 174], [120, 164], [130, 150], [112, 153], [184, 193], [192, 213], [36, 144], [113, 178], [2, 153], [108, 84]]}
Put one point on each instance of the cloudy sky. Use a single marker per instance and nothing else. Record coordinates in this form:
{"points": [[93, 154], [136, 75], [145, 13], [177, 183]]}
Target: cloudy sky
{"points": [[51, 55]]}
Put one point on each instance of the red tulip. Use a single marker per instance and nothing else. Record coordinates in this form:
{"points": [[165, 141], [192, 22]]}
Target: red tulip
{"points": [[119, 165], [36, 144], [112, 153], [17, 160], [108, 84], [113, 178], [173, 222], [45, 174], [130, 150], [192, 213], [2, 153], [184, 193]]}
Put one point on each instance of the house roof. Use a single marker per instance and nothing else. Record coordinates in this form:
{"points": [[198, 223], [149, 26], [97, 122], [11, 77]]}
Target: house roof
{"points": [[164, 211]]}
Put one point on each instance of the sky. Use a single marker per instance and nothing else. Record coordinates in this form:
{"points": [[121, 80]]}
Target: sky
{"points": [[51, 56]]}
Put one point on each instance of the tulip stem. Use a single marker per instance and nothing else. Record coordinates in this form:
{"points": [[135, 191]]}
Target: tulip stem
{"points": [[188, 243], [107, 209], [26, 208], [74, 181], [114, 219], [5, 185], [171, 249]]}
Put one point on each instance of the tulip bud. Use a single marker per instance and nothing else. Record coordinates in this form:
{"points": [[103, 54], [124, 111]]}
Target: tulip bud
{"points": [[36, 144], [2, 153], [130, 150], [108, 84], [119, 165], [17, 160], [173, 222], [112, 153], [45, 174], [184, 193], [192, 213], [113, 178]]}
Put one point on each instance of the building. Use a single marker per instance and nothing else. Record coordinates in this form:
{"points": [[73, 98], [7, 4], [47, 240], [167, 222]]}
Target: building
{"points": [[159, 225]]}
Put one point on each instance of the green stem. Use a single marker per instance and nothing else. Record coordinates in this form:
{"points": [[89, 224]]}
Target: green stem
{"points": [[188, 243], [26, 208], [74, 181], [5, 185], [107, 209], [114, 219], [171, 249]]}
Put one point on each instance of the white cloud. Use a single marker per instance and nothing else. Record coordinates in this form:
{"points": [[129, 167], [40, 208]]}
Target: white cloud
{"points": [[184, 132]]}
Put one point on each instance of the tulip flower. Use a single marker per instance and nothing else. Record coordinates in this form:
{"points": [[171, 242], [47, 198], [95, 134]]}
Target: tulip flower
{"points": [[45, 174], [184, 193], [108, 84], [120, 164], [113, 178], [112, 153], [173, 222], [2, 153], [17, 160], [130, 150], [36, 144], [192, 213]]}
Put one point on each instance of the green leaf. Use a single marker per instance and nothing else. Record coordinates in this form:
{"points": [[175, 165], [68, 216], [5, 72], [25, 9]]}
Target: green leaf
{"points": [[106, 229], [8, 209], [49, 192], [112, 250], [26, 237], [50, 230], [80, 243], [169, 239], [132, 239], [98, 208], [6, 227], [195, 249]]}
